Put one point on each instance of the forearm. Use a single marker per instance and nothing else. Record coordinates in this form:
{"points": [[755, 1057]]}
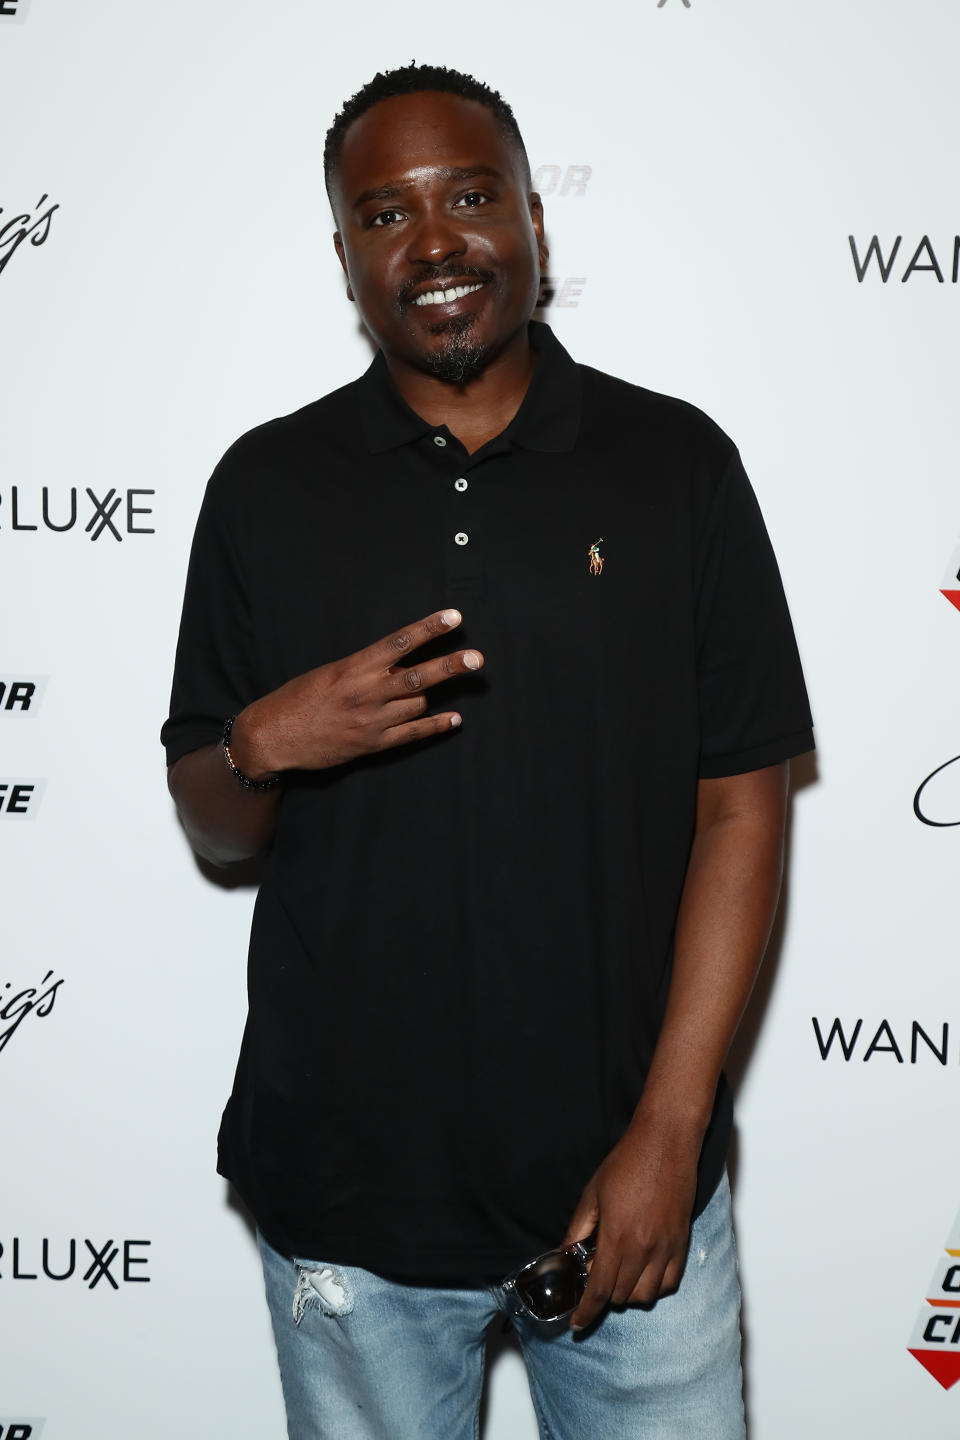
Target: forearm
{"points": [[640, 1199], [727, 907], [224, 821]]}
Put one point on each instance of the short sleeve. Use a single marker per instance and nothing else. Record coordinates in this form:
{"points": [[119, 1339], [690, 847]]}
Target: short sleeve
{"points": [[753, 701], [214, 672]]}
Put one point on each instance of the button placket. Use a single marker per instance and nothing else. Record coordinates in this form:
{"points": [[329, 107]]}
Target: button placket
{"points": [[463, 545], [461, 538]]}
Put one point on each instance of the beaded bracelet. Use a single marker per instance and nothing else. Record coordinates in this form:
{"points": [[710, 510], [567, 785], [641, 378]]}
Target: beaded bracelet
{"points": [[237, 773]]}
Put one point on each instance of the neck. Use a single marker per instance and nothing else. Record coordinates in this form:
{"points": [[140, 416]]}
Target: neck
{"points": [[480, 409]]}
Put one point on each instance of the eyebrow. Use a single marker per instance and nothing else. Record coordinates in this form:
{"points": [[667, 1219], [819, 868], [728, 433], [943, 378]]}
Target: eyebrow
{"points": [[446, 173]]}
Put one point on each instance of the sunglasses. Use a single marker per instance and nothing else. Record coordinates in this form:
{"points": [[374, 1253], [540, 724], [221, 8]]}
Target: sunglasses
{"points": [[550, 1287]]}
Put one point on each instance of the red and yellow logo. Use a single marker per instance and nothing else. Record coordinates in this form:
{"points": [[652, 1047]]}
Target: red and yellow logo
{"points": [[935, 1341]]}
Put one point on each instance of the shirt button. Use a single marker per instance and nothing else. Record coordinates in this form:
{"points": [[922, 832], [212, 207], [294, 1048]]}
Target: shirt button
{"points": [[460, 485], [439, 440], [461, 538]]}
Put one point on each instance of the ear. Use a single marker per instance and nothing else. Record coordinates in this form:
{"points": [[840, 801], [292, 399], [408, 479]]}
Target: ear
{"points": [[338, 246], [536, 215]]}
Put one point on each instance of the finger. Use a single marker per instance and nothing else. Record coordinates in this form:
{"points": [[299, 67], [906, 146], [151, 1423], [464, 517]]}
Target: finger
{"points": [[400, 712], [393, 647], [673, 1275], [637, 1282], [646, 1290], [406, 679], [584, 1219], [418, 729], [603, 1278]]}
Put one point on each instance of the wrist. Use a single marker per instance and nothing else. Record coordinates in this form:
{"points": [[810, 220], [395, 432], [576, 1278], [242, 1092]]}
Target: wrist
{"points": [[675, 1115], [245, 751]]}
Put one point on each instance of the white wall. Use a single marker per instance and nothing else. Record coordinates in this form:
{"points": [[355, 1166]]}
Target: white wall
{"points": [[186, 290]]}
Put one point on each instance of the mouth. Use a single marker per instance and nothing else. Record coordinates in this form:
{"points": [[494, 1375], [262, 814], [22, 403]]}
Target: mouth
{"points": [[447, 296]]}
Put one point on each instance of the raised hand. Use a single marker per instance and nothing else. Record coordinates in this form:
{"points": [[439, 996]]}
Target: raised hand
{"points": [[372, 700]]}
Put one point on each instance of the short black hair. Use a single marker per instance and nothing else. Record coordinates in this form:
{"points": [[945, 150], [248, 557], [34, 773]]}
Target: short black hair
{"points": [[412, 80]]}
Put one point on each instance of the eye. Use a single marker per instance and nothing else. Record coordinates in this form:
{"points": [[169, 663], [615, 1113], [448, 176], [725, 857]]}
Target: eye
{"points": [[473, 199], [386, 217]]}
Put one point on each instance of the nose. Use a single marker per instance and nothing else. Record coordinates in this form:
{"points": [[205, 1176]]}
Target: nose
{"points": [[435, 238]]}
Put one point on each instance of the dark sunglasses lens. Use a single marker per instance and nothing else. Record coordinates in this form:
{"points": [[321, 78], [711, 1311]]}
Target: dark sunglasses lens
{"points": [[551, 1286]]}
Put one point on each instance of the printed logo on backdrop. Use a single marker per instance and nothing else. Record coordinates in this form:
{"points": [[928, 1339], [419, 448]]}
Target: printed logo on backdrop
{"points": [[17, 1005], [661, 3], [950, 584], [564, 294], [563, 181], [14, 10], [21, 694], [935, 1340], [116, 514], [85, 1262], [937, 799], [20, 798], [30, 1429], [877, 259], [34, 227], [902, 1042]]}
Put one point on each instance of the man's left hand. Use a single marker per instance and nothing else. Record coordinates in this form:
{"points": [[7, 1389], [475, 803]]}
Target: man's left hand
{"points": [[639, 1203]]}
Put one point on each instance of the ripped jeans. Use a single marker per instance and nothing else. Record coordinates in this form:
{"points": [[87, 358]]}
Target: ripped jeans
{"points": [[364, 1358]]}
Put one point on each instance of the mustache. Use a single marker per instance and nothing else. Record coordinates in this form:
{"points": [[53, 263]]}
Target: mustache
{"points": [[436, 274]]}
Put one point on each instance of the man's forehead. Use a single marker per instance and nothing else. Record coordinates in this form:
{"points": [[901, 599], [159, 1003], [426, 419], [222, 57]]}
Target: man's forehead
{"points": [[427, 136]]}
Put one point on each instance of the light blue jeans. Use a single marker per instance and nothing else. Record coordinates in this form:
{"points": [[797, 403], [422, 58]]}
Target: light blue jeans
{"points": [[363, 1358]]}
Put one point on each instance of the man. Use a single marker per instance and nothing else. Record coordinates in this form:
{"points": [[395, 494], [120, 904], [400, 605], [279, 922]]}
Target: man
{"points": [[522, 854]]}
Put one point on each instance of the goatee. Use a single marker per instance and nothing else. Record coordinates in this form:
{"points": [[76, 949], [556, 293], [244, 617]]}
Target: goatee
{"points": [[462, 358]]}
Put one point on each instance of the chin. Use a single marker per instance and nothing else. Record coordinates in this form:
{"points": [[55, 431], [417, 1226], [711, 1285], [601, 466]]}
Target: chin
{"points": [[461, 357]]}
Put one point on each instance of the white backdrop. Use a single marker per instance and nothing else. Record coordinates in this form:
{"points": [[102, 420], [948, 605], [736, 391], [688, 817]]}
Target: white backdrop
{"points": [[186, 289]]}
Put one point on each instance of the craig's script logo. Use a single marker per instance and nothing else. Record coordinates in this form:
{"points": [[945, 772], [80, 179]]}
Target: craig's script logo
{"points": [[65, 1260], [937, 800], [922, 259], [935, 1341], [16, 1006], [117, 513], [34, 227]]}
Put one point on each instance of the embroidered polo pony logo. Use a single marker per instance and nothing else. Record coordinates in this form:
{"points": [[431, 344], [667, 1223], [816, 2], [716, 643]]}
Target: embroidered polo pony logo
{"points": [[595, 558]]}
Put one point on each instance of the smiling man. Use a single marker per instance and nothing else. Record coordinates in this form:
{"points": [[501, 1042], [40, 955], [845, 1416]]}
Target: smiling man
{"points": [[522, 854]]}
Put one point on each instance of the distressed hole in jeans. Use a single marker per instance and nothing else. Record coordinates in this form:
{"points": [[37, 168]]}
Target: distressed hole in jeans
{"points": [[323, 1287], [702, 1256]]}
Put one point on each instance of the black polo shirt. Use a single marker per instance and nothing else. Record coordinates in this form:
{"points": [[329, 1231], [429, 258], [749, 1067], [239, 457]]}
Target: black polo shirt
{"points": [[461, 949]]}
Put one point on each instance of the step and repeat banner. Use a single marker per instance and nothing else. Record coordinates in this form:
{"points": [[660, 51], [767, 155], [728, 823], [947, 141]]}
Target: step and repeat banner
{"points": [[750, 204]]}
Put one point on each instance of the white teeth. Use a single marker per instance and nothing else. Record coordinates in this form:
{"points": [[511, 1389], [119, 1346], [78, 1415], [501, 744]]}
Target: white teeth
{"points": [[444, 297]]}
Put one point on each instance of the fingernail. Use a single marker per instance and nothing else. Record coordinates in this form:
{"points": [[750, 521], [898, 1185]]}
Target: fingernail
{"points": [[576, 1328], [451, 617], [455, 720], [471, 659]]}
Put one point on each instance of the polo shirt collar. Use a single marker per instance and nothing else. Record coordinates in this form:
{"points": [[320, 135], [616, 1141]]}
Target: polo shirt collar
{"points": [[548, 419]]}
